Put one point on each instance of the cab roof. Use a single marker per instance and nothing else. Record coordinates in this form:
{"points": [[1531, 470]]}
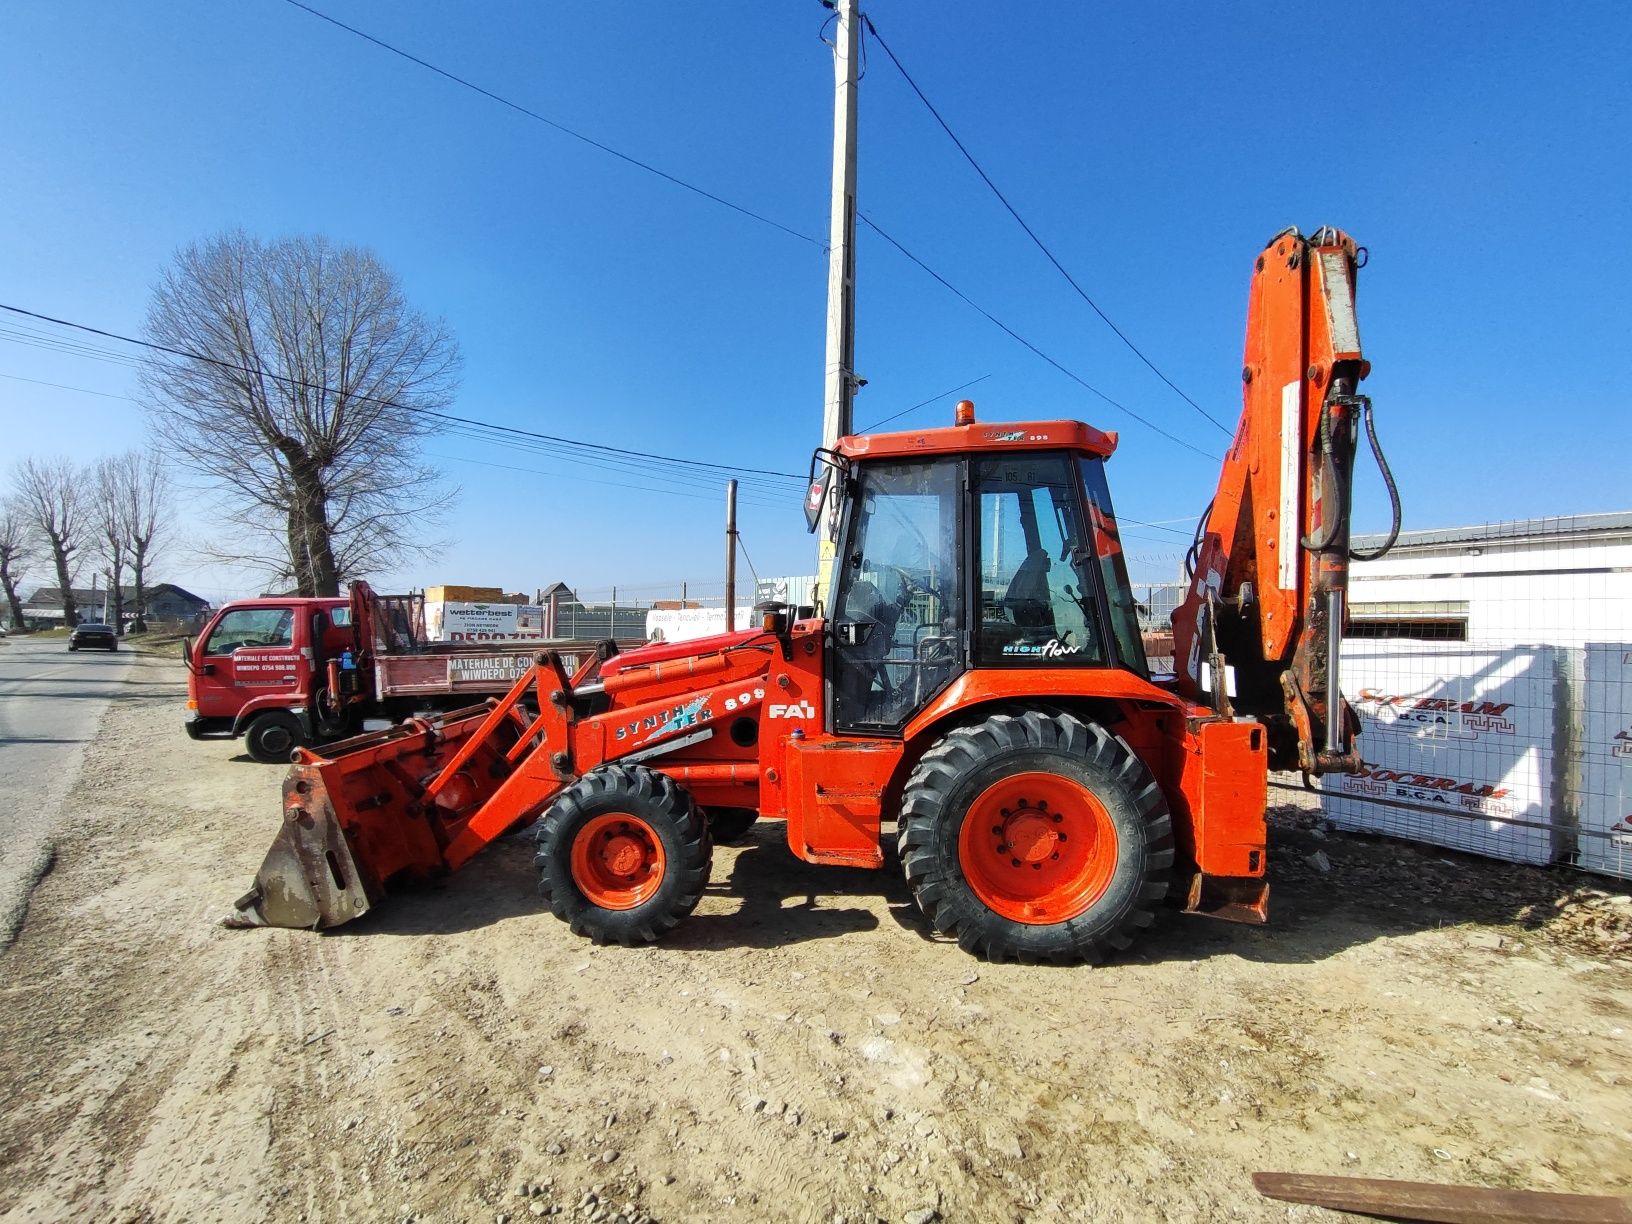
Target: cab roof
{"points": [[980, 436]]}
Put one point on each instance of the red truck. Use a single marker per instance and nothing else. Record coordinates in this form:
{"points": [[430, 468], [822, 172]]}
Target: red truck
{"points": [[287, 672]]}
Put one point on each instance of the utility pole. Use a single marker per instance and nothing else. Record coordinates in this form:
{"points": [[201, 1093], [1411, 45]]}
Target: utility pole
{"points": [[840, 386], [730, 556]]}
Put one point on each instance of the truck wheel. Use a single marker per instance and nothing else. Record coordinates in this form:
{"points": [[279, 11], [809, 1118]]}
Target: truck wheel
{"points": [[623, 855], [272, 736], [1035, 838], [727, 826]]}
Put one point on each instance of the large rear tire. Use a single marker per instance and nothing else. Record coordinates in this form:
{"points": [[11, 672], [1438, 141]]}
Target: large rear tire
{"points": [[623, 855], [1037, 837]]}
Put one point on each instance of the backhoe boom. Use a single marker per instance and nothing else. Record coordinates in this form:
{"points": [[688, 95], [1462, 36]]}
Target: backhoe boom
{"points": [[1269, 572]]}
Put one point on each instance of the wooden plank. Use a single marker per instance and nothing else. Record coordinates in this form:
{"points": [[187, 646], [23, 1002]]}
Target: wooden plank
{"points": [[1440, 1204]]}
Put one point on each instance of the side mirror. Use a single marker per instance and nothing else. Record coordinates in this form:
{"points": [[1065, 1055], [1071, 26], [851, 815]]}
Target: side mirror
{"points": [[854, 633]]}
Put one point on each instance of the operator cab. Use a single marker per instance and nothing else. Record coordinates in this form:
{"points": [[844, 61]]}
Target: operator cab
{"points": [[1025, 572]]}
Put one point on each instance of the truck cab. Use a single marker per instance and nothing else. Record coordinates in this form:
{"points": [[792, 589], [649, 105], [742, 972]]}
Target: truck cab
{"points": [[256, 670]]}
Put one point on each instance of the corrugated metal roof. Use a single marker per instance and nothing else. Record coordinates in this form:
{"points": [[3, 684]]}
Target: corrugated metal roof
{"points": [[1616, 522]]}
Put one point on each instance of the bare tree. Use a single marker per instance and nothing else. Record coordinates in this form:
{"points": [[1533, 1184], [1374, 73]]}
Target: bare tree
{"points": [[50, 492], [17, 552], [105, 494], [312, 386], [147, 501]]}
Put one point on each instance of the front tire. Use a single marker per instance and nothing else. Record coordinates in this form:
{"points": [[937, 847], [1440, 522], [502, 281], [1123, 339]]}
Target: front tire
{"points": [[272, 737], [1036, 838], [623, 855]]}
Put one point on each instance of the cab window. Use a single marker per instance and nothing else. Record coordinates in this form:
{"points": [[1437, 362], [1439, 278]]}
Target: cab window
{"points": [[1113, 569], [257, 627], [1038, 591]]}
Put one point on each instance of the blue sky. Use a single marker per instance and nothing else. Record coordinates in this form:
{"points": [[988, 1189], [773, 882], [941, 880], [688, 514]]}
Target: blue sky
{"points": [[1480, 152]]}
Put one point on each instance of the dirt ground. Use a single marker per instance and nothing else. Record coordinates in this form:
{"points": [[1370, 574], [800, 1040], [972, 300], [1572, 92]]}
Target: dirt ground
{"points": [[799, 1049]]}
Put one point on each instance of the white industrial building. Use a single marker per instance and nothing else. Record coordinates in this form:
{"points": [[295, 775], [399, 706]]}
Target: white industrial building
{"points": [[1492, 670], [1554, 581]]}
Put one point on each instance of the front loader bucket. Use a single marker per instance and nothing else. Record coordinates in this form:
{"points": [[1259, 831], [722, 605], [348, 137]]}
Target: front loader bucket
{"points": [[370, 811]]}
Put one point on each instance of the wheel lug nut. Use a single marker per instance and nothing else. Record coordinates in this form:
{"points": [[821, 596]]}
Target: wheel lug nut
{"points": [[1016, 862], [1037, 866], [998, 829], [1056, 854], [1058, 818]]}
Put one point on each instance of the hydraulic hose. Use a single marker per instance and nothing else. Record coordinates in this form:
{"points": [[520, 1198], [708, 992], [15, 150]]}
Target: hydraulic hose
{"points": [[1356, 554], [1192, 554]]}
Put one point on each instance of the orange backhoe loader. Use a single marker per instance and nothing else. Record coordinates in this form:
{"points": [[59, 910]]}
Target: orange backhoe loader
{"points": [[979, 683]]}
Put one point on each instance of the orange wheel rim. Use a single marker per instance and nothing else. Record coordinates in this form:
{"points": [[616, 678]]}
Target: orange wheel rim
{"points": [[1037, 848], [617, 861]]}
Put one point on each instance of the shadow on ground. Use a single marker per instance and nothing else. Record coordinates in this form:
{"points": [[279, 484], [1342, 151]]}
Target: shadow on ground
{"points": [[1371, 888]]}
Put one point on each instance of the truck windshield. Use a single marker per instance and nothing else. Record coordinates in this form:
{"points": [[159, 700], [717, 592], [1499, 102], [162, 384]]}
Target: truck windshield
{"points": [[250, 627], [1113, 568]]}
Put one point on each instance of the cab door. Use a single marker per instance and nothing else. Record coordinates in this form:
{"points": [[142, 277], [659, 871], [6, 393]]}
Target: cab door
{"points": [[898, 623], [248, 656]]}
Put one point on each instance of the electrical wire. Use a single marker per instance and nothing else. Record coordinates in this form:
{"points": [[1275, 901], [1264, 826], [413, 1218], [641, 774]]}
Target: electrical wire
{"points": [[990, 317], [617, 484], [508, 430], [1123, 518], [745, 556], [750, 213], [559, 127], [923, 404], [40, 382], [1031, 233]]}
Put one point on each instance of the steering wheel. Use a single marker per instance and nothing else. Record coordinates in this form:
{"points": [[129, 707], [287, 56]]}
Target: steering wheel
{"points": [[910, 585]]}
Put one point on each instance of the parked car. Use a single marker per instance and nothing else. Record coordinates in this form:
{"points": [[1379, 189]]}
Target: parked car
{"points": [[101, 637]]}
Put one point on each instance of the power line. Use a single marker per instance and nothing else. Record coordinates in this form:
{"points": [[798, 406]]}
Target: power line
{"points": [[924, 403], [1126, 518], [617, 484], [746, 557], [387, 403], [40, 382], [990, 317], [559, 127], [642, 467], [1031, 233], [748, 212]]}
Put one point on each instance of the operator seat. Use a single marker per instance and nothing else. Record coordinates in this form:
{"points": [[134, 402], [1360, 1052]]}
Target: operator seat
{"points": [[1027, 601]]}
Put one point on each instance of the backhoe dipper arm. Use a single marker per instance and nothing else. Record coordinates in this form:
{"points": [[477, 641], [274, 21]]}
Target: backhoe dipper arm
{"points": [[1269, 572]]}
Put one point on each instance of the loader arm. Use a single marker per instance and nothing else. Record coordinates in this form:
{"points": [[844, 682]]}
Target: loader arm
{"points": [[1269, 571]]}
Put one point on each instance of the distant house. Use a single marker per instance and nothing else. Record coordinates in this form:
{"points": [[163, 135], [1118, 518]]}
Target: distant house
{"points": [[165, 602], [169, 602], [43, 609]]}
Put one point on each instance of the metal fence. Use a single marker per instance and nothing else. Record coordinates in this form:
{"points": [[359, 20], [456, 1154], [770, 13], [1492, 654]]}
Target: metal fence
{"points": [[1492, 671]]}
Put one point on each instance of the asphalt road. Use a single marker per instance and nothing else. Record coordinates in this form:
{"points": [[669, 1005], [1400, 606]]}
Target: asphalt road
{"points": [[51, 701]]}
